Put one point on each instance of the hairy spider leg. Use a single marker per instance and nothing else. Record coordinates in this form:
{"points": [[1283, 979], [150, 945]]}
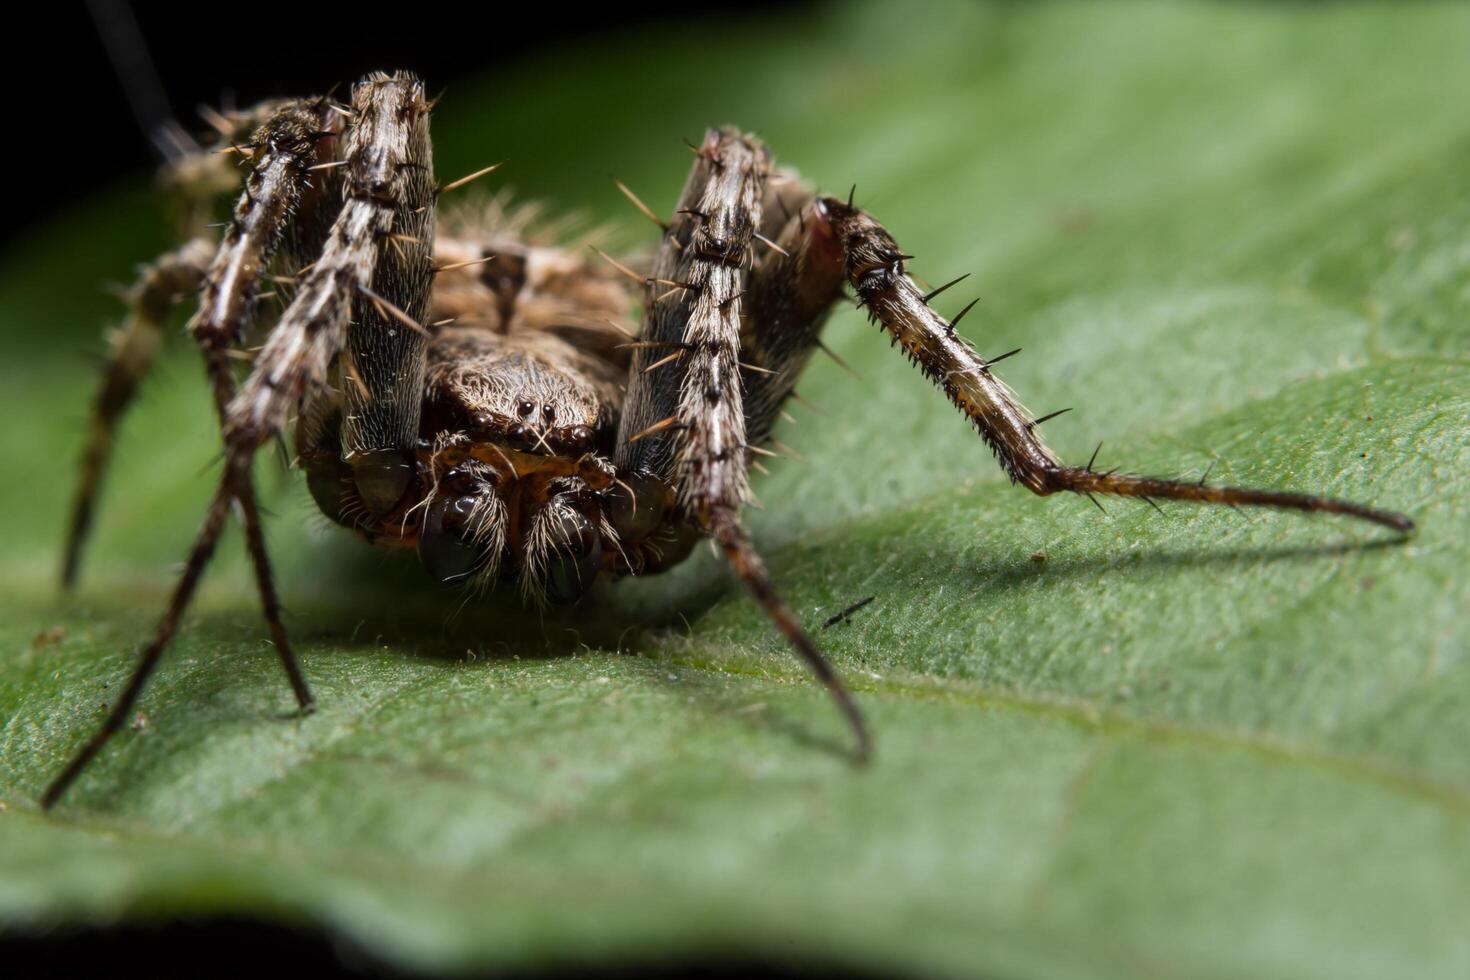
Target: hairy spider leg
{"points": [[280, 155], [825, 244], [684, 422], [828, 243], [280, 203], [227, 284], [131, 353], [304, 343], [261, 137], [390, 189], [874, 266]]}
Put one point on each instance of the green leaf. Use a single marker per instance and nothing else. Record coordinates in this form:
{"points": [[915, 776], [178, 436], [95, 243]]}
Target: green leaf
{"points": [[1204, 744]]}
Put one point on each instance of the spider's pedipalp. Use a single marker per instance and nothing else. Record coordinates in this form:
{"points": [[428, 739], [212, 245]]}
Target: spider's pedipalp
{"points": [[464, 526]]}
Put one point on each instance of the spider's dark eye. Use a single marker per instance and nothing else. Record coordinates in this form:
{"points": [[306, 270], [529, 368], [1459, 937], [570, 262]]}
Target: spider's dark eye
{"points": [[548, 413], [526, 408], [447, 546], [577, 438], [576, 558]]}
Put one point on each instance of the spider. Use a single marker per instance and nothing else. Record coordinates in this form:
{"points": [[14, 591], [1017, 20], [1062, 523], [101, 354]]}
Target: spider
{"points": [[478, 395]]}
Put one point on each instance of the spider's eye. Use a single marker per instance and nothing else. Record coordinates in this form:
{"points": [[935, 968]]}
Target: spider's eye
{"points": [[576, 558], [447, 545], [548, 413], [526, 408]]}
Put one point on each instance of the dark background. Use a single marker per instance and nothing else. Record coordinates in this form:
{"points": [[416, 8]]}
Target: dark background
{"points": [[83, 113]]}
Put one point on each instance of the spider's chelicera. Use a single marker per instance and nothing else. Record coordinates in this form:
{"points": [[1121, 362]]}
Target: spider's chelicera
{"points": [[482, 395]]}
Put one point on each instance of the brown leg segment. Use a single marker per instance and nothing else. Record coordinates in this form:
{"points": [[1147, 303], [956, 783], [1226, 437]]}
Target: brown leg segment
{"points": [[735, 545], [793, 285], [874, 266], [150, 302], [117, 717], [390, 194], [684, 420], [279, 183]]}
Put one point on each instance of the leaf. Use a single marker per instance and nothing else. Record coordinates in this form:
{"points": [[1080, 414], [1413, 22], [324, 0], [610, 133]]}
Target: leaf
{"points": [[1202, 744]]}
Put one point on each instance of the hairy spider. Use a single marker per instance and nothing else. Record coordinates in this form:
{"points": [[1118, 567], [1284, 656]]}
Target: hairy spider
{"points": [[476, 395]]}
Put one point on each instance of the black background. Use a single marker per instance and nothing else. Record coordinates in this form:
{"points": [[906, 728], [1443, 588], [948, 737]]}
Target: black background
{"points": [[77, 132]]}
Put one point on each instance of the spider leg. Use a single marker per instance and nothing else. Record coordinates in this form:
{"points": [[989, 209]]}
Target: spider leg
{"points": [[790, 295], [302, 346], [133, 347], [196, 181], [839, 236], [278, 139], [280, 200], [684, 420], [199, 556], [693, 304], [389, 207]]}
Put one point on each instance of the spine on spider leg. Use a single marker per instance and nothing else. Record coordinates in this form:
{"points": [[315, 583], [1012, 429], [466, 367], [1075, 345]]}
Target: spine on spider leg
{"points": [[683, 419], [875, 269]]}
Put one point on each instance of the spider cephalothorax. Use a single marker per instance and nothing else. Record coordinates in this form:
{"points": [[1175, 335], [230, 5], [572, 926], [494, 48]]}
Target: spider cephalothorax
{"points": [[477, 392], [510, 475]]}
